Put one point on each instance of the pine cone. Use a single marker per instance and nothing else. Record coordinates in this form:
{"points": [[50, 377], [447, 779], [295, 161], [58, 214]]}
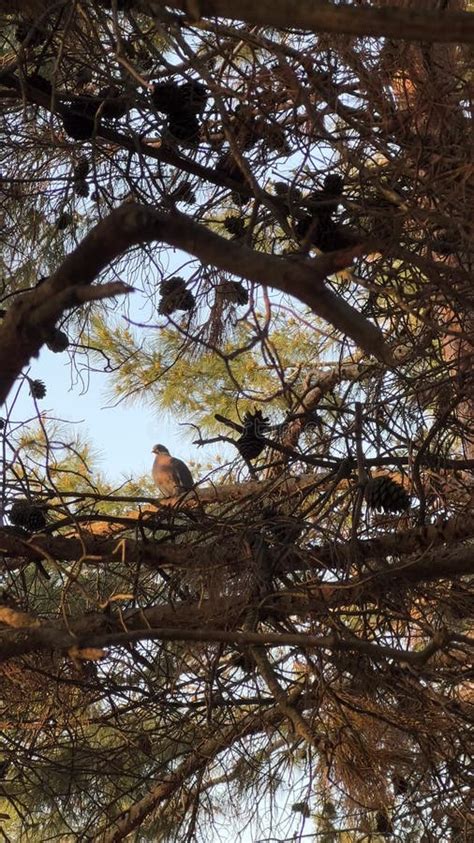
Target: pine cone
{"points": [[233, 291], [383, 823], [334, 184], [81, 188], [383, 493], [172, 285], [246, 127], [164, 97], [175, 296], [234, 225], [114, 104], [229, 167], [37, 388], [81, 169], [77, 126], [250, 444], [193, 96], [184, 127], [27, 515], [273, 136], [285, 190], [58, 341]]}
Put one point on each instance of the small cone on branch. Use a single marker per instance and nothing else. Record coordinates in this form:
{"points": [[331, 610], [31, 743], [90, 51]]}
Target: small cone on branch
{"points": [[58, 341], [234, 225], [27, 515], [175, 296], [81, 188], [114, 103], [37, 388], [233, 291], [383, 823], [184, 128], [81, 169], [164, 96], [192, 96], [78, 127], [287, 191], [250, 444], [383, 493]]}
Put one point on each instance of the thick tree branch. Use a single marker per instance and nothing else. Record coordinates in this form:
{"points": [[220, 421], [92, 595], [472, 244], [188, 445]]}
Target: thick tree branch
{"points": [[26, 325], [319, 16], [95, 550]]}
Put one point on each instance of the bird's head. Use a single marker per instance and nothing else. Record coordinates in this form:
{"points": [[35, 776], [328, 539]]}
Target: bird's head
{"points": [[159, 449]]}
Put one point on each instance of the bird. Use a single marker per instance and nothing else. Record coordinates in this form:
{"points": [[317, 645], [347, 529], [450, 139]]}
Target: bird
{"points": [[172, 476]]}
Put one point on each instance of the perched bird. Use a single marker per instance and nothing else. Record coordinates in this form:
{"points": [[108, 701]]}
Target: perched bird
{"points": [[171, 475]]}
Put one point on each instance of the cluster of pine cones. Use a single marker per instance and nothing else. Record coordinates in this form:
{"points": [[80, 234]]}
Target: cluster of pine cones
{"points": [[183, 105], [175, 296], [318, 226]]}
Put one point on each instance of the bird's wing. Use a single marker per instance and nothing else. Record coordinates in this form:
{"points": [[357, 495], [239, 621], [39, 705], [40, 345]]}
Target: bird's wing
{"points": [[182, 474]]}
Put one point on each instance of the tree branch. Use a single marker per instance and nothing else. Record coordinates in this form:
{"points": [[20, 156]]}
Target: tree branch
{"points": [[26, 325], [319, 16]]}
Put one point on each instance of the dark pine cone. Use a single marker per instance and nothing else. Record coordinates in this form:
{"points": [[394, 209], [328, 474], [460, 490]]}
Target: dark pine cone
{"points": [[326, 235], [184, 127], [114, 104], [78, 127], [234, 225], [192, 97], [175, 296], [81, 188], [172, 285], [164, 97], [333, 184], [37, 389], [81, 169], [229, 168], [58, 341], [250, 444], [383, 823], [323, 203], [383, 493], [233, 291], [27, 515]]}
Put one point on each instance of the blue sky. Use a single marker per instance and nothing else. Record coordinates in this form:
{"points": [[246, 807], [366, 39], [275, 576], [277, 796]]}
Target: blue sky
{"points": [[123, 435]]}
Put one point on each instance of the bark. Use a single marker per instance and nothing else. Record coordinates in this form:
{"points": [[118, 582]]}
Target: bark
{"points": [[390, 22], [93, 551], [409, 24]]}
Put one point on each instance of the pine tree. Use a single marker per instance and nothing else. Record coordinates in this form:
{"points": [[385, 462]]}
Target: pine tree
{"points": [[289, 641]]}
